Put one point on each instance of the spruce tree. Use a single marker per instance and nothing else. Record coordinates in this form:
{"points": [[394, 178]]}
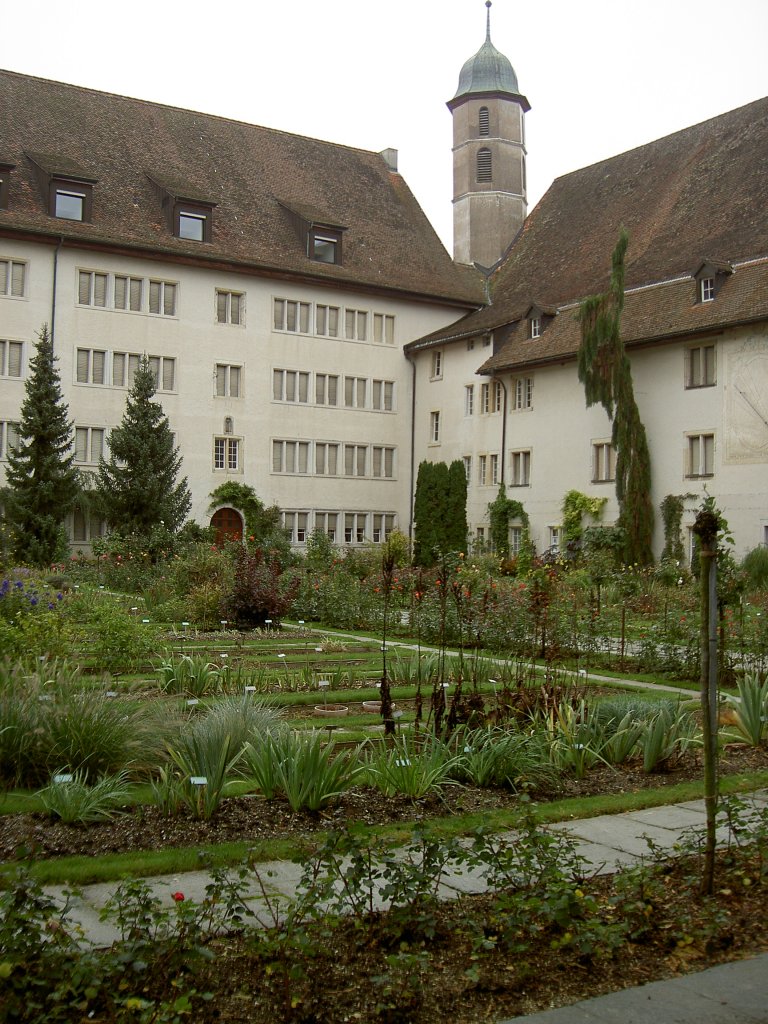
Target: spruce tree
{"points": [[137, 489], [605, 372], [42, 480]]}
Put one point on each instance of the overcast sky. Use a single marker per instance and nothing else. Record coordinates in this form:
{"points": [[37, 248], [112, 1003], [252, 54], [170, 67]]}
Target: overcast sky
{"points": [[602, 76]]}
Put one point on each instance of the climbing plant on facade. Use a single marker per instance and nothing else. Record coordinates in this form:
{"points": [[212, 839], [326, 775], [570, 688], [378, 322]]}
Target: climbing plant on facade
{"points": [[672, 508], [262, 523], [575, 506], [501, 511], [604, 370]]}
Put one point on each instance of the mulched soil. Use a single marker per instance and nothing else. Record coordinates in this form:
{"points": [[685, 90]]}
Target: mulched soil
{"points": [[253, 819]]}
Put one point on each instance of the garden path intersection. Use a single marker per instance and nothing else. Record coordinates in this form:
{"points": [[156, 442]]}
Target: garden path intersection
{"points": [[732, 993]]}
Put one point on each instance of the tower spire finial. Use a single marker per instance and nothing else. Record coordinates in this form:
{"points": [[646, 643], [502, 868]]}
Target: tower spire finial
{"points": [[488, 21]]}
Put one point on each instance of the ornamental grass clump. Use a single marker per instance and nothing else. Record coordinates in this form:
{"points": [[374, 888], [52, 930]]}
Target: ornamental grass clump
{"points": [[75, 801], [204, 762], [502, 757], [667, 736], [749, 711], [405, 769], [191, 675]]}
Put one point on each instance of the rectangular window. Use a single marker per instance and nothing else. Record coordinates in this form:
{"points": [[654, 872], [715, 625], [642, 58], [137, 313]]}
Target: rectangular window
{"points": [[295, 525], [326, 389], [383, 329], [226, 453], [383, 393], [355, 459], [327, 522], [707, 289], [69, 204], [293, 316], [383, 461], [701, 455], [86, 528], [354, 527], [89, 444], [10, 358], [482, 469], [603, 462], [227, 380], [437, 364], [434, 428], [92, 288], [469, 399], [485, 398], [355, 325], [164, 371], [515, 539], [700, 366], [326, 458], [554, 539], [13, 276], [290, 456], [229, 307], [9, 437], [124, 367], [520, 468], [290, 386], [467, 460], [498, 396], [494, 468], [192, 221], [355, 392], [383, 525], [91, 365], [162, 298], [523, 393], [129, 293], [535, 326], [327, 321]]}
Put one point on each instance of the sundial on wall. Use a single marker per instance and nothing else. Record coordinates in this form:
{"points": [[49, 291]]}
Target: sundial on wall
{"points": [[747, 436]]}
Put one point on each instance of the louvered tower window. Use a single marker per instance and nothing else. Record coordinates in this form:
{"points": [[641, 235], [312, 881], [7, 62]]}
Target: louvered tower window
{"points": [[484, 165], [485, 121]]}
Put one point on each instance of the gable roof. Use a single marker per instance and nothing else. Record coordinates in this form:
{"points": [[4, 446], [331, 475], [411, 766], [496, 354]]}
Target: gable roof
{"points": [[128, 145], [700, 194]]}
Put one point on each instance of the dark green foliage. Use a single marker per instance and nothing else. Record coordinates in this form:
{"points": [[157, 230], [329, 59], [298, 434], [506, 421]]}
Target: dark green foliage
{"points": [[672, 508], [500, 511], [42, 480], [260, 591], [440, 511], [138, 488], [605, 372], [755, 565]]}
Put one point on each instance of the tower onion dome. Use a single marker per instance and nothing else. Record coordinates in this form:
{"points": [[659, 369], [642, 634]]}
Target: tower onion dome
{"points": [[488, 71]]}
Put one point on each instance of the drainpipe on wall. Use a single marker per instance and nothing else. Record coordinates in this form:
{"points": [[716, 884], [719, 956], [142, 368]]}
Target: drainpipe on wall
{"points": [[412, 361], [503, 428], [56, 252]]}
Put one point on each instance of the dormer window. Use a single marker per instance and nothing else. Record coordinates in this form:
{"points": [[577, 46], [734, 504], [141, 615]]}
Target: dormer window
{"points": [[67, 188], [5, 181], [538, 318], [70, 202], [324, 245], [710, 278], [192, 222], [535, 326]]}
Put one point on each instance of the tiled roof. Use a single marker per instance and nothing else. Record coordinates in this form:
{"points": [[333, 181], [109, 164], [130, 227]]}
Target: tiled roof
{"points": [[698, 195], [126, 144]]}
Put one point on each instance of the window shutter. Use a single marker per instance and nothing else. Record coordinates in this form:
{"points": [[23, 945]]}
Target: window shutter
{"points": [[333, 321], [82, 365], [388, 395], [277, 385], [349, 384], [279, 314], [84, 289], [377, 400], [333, 459], [221, 380], [221, 307], [133, 365], [121, 292], [99, 289], [14, 358], [303, 387], [362, 326], [81, 444], [361, 453], [303, 456], [169, 374], [169, 299], [277, 456], [304, 317], [377, 461], [17, 278], [234, 381], [97, 444], [135, 297], [235, 303], [333, 385], [320, 454], [484, 165], [154, 365], [349, 324], [97, 369], [361, 389], [389, 326], [389, 460], [118, 369], [349, 459], [154, 296]]}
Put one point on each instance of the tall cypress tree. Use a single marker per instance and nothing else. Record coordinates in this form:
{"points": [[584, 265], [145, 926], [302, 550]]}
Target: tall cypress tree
{"points": [[137, 489], [605, 372], [456, 507], [42, 480], [440, 511]]}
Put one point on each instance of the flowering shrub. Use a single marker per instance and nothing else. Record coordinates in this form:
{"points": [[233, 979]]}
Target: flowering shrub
{"points": [[30, 620]]}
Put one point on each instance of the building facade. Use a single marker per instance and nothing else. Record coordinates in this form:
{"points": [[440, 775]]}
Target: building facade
{"points": [[312, 339]]}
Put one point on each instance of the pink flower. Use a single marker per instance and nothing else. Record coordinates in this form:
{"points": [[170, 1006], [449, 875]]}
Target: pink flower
{"points": [[178, 897]]}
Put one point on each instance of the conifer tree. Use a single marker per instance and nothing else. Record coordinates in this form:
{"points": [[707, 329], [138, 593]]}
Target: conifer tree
{"points": [[605, 372], [456, 507], [42, 480], [137, 489], [440, 511]]}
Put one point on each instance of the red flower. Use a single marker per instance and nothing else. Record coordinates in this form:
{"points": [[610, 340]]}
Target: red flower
{"points": [[178, 897]]}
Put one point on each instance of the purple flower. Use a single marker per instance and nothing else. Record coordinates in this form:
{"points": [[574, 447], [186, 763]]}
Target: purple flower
{"points": [[33, 601]]}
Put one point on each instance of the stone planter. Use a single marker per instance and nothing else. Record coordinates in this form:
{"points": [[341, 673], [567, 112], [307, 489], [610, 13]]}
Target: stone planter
{"points": [[373, 707], [331, 710]]}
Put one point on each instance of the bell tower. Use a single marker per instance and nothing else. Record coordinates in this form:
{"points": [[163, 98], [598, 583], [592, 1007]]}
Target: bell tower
{"points": [[489, 187]]}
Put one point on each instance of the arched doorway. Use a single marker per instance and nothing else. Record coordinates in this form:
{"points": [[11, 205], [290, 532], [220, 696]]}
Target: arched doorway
{"points": [[228, 524]]}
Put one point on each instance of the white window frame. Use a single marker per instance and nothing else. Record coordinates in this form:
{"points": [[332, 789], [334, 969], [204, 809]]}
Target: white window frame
{"points": [[482, 469], [700, 455], [90, 442], [13, 278], [355, 527], [383, 462], [291, 316], [383, 395], [230, 307], [290, 385], [11, 358], [383, 329], [355, 392], [522, 393], [356, 324], [289, 456], [701, 366], [227, 454], [355, 460], [327, 320], [434, 427], [469, 399], [706, 289], [228, 380], [603, 462], [326, 458], [88, 361], [520, 468], [437, 364], [328, 522], [9, 437], [327, 388], [467, 460], [535, 327]]}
